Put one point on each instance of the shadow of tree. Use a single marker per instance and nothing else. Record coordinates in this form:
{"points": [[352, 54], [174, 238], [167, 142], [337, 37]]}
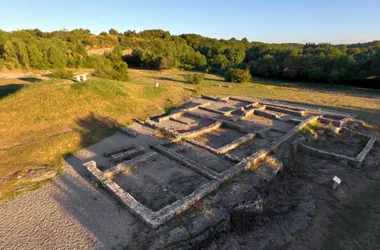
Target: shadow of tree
{"points": [[169, 79], [30, 79], [9, 89], [214, 79], [94, 128]]}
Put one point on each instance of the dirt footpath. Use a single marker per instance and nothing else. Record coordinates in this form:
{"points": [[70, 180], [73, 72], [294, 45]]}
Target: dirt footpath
{"points": [[68, 213]]}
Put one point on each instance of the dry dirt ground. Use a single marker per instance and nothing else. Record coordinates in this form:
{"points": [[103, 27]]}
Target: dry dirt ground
{"points": [[69, 213], [73, 213]]}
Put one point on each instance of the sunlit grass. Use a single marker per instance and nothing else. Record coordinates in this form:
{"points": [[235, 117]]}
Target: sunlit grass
{"points": [[44, 121]]}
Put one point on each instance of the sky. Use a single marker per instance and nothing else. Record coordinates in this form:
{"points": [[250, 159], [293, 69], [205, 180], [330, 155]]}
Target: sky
{"points": [[272, 21]]}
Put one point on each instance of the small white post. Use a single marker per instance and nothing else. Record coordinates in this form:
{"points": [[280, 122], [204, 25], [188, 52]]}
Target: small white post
{"points": [[336, 181], [157, 85]]}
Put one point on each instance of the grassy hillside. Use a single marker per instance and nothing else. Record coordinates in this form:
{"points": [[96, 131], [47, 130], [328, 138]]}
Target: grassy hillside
{"points": [[44, 121], [362, 102]]}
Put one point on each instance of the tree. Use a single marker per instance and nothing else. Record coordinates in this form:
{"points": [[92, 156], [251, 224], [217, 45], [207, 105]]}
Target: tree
{"points": [[165, 63], [10, 55], [266, 66], [375, 68], [113, 32], [115, 55], [22, 53], [56, 57], [237, 75], [200, 61], [118, 71], [334, 77], [194, 78], [315, 73]]}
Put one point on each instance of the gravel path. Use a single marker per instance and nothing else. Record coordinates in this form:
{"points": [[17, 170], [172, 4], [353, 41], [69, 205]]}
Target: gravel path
{"points": [[68, 213]]}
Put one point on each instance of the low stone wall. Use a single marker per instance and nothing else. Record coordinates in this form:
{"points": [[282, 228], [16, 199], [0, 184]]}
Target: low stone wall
{"points": [[187, 162], [207, 97], [126, 165], [266, 114], [135, 207], [155, 219], [119, 150], [213, 110], [286, 111], [203, 130], [235, 143], [201, 145], [356, 161], [326, 155], [127, 155], [129, 131]]}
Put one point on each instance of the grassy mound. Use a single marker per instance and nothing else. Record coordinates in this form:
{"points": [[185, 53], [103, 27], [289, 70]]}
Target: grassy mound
{"points": [[45, 121]]}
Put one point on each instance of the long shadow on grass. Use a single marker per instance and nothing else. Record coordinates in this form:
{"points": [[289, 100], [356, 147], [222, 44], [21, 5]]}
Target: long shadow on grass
{"points": [[169, 79], [8, 89], [95, 127], [214, 79], [30, 79]]}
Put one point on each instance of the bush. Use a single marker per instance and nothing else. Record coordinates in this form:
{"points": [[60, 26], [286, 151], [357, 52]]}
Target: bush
{"points": [[194, 78], [187, 66], [62, 74], [118, 72], [237, 75]]}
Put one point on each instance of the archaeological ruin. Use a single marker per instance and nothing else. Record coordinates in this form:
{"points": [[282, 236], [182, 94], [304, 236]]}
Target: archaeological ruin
{"points": [[190, 175]]}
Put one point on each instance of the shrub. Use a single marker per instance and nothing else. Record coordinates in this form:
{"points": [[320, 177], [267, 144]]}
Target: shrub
{"points": [[118, 72], [187, 66], [165, 63], [62, 74], [237, 75], [194, 78]]}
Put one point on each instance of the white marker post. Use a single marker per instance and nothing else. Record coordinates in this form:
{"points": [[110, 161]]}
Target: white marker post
{"points": [[157, 85], [336, 181]]}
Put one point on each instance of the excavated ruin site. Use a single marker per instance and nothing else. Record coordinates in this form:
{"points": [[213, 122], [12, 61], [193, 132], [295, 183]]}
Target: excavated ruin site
{"points": [[209, 172]]}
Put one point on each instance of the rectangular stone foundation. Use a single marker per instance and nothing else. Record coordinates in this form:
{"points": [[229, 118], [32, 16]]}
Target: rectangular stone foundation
{"points": [[204, 165]]}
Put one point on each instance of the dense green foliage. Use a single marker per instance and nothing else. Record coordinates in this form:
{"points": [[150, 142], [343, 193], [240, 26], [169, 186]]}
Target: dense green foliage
{"points": [[195, 78], [237, 75], [117, 71], [158, 49], [62, 74]]}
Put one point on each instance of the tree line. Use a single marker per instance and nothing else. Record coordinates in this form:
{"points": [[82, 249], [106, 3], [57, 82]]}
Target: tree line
{"points": [[355, 64]]}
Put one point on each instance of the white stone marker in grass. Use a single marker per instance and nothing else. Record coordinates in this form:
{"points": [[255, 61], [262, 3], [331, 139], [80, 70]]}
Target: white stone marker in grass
{"points": [[336, 181]]}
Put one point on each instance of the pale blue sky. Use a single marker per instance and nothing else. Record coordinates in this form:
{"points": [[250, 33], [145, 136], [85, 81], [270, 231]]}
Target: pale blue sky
{"points": [[334, 21]]}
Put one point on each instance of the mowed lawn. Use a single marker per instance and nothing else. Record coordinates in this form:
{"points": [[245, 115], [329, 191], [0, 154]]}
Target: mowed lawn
{"points": [[45, 121]]}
